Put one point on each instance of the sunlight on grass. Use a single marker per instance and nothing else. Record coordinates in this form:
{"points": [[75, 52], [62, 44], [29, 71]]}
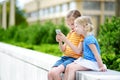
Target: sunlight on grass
{"points": [[49, 49], [52, 49]]}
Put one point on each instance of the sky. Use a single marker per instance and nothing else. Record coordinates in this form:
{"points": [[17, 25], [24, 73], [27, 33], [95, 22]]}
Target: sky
{"points": [[22, 2]]}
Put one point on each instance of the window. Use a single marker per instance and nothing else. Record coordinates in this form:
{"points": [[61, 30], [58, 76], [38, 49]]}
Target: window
{"points": [[64, 7], [34, 14], [72, 5], [28, 15], [41, 13], [46, 11], [57, 8], [51, 10], [110, 6], [91, 5]]}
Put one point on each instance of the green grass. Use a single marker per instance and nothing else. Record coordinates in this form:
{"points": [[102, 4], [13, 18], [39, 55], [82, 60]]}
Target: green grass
{"points": [[52, 49]]}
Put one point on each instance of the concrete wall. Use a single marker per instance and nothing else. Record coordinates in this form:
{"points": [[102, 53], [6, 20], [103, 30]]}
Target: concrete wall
{"points": [[17, 63]]}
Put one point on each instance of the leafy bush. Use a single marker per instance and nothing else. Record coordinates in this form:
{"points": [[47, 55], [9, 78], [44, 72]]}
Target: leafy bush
{"points": [[63, 27], [52, 49], [1, 34], [35, 34], [9, 33], [40, 37], [48, 32], [109, 39]]}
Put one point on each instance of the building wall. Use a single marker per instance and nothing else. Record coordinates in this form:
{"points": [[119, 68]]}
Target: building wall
{"points": [[55, 10]]}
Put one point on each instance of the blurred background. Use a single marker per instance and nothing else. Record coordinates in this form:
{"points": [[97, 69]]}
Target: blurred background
{"points": [[32, 23], [41, 10], [53, 10]]}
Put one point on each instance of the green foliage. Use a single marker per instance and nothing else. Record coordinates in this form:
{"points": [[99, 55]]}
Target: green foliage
{"points": [[19, 15], [109, 39], [112, 61], [1, 34], [40, 37], [48, 32], [52, 49], [35, 34], [63, 27], [109, 36], [9, 33], [22, 44]]}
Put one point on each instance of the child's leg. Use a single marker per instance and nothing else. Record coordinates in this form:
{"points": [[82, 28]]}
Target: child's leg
{"points": [[71, 69], [57, 68], [54, 73], [67, 71]]}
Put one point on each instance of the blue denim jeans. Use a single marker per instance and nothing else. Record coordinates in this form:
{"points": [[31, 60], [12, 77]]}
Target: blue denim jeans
{"points": [[65, 60]]}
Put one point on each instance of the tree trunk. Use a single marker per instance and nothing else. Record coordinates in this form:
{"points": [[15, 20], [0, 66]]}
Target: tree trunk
{"points": [[0, 15], [117, 8], [4, 15], [12, 13]]}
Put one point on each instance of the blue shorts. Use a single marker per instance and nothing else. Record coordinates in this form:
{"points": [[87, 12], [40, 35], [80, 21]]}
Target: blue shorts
{"points": [[65, 60]]}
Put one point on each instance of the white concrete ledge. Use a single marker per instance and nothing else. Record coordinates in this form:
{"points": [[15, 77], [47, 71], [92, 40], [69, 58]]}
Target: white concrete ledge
{"points": [[39, 59], [18, 63], [33, 61], [94, 75]]}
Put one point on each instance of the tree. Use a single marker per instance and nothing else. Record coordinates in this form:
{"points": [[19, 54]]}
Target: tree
{"points": [[0, 15], [19, 15], [117, 7]]}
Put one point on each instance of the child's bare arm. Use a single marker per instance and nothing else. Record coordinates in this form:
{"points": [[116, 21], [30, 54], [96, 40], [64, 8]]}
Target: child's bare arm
{"points": [[62, 46], [97, 56]]}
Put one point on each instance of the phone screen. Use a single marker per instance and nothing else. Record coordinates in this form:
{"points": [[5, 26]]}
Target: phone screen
{"points": [[58, 31]]}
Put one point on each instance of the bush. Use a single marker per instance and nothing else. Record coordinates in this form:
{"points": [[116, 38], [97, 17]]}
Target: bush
{"points": [[109, 36], [35, 34], [52, 49], [9, 33], [2, 31], [110, 42]]}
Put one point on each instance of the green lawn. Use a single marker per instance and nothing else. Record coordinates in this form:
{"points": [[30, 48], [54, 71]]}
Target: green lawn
{"points": [[52, 49]]}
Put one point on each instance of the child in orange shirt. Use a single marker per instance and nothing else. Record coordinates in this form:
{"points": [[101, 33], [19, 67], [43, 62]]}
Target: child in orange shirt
{"points": [[70, 53]]}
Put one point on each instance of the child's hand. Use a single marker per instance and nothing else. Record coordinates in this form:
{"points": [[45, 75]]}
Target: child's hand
{"points": [[62, 37], [58, 39], [103, 69]]}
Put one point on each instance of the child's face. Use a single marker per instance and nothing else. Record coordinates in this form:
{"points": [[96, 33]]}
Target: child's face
{"points": [[79, 29], [70, 23]]}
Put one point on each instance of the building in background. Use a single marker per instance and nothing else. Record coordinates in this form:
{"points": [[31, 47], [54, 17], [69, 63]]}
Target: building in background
{"points": [[55, 10]]}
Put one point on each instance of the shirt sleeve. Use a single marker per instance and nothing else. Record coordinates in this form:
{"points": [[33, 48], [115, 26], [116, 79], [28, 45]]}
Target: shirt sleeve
{"points": [[90, 40]]}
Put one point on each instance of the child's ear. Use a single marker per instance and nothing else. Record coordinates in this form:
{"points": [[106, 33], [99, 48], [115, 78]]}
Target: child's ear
{"points": [[89, 28]]}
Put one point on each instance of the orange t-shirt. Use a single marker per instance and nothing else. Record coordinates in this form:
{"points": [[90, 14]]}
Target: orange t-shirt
{"points": [[75, 39]]}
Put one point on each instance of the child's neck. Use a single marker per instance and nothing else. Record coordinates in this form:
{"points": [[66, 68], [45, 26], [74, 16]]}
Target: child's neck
{"points": [[84, 34]]}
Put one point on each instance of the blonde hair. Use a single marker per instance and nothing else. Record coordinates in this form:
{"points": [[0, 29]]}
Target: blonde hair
{"points": [[86, 22]]}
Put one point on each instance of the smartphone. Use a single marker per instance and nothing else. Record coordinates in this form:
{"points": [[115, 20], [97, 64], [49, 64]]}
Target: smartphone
{"points": [[58, 31]]}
